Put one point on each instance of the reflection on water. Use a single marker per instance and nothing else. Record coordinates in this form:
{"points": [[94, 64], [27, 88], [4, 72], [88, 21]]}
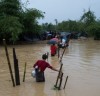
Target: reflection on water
{"points": [[81, 62]]}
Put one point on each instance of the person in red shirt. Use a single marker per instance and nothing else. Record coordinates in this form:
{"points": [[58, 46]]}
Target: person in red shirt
{"points": [[40, 67], [53, 49]]}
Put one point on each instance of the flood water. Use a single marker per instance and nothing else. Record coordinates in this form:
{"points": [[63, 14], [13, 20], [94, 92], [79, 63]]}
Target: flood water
{"points": [[81, 63]]}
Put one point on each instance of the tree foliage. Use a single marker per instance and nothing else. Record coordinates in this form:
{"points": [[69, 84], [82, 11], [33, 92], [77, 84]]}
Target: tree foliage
{"points": [[88, 17], [15, 21], [48, 27], [10, 26], [30, 17]]}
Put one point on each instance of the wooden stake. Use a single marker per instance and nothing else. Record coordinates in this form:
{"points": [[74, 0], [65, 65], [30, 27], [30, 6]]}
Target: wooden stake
{"points": [[9, 64], [60, 81], [24, 72], [47, 55], [58, 75], [65, 82], [16, 67], [62, 54], [58, 51]]}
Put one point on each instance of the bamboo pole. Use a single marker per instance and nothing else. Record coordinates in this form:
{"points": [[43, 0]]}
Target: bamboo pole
{"points": [[58, 75], [58, 51], [24, 72], [65, 82], [47, 55], [16, 67], [60, 81], [62, 54], [9, 64]]}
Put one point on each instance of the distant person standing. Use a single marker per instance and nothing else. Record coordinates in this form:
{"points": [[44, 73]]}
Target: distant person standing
{"points": [[53, 49]]}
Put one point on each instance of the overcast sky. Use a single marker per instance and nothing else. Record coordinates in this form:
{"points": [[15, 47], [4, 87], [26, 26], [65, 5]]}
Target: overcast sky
{"points": [[63, 10]]}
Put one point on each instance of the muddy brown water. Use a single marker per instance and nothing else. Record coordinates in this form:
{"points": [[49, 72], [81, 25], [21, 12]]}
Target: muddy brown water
{"points": [[81, 63]]}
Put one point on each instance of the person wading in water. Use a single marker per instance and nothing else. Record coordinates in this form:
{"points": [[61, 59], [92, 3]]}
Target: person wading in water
{"points": [[40, 67]]}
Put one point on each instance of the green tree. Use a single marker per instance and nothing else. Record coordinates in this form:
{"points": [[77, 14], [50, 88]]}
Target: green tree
{"points": [[88, 17], [16, 20], [69, 26], [10, 26], [48, 27], [30, 20]]}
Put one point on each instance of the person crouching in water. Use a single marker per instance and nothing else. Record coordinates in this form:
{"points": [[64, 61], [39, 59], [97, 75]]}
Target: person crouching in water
{"points": [[53, 49], [40, 67]]}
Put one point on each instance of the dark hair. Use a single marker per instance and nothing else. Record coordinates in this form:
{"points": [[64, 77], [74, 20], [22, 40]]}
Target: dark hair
{"points": [[53, 44], [44, 56]]}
